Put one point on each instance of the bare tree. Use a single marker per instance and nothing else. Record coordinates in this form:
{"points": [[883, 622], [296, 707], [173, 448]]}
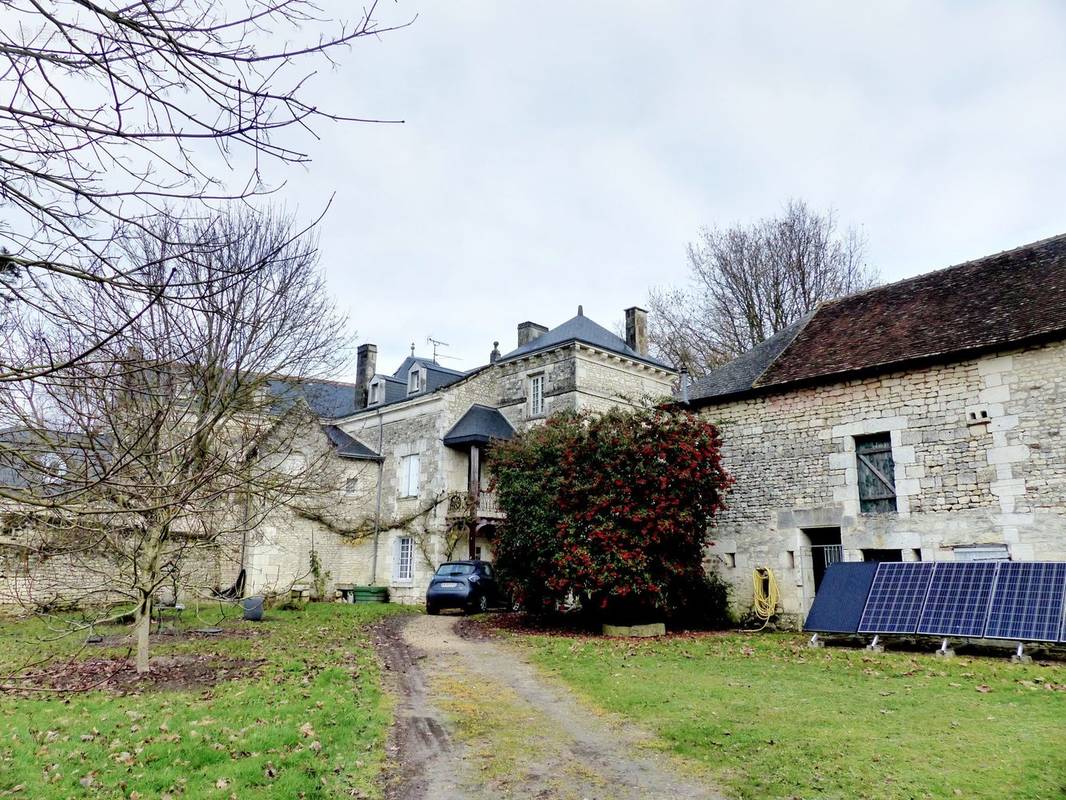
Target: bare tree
{"points": [[749, 282], [186, 428], [111, 113]]}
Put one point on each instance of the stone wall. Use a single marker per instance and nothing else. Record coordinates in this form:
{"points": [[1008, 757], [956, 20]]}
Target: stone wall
{"points": [[30, 580], [606, 381], [979, 452]]}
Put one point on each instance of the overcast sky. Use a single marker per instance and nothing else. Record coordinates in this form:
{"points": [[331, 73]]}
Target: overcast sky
{"points": [[562, 153]]}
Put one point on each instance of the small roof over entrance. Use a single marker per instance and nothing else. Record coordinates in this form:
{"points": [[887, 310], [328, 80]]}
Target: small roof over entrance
{"points": [[479, 425]]}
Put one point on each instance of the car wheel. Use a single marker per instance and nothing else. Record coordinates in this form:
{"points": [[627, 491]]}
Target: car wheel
{"points": [[432, 610]]}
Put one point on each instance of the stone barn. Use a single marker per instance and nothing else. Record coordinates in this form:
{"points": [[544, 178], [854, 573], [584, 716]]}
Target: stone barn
{"points": [[921, 420]]}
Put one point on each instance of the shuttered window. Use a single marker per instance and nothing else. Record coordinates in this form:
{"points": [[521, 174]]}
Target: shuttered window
{"points": [[410, 467], [877, 482]]}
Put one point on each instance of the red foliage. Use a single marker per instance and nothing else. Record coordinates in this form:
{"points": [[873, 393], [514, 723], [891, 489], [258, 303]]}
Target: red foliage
{"points": [[612, 510]]}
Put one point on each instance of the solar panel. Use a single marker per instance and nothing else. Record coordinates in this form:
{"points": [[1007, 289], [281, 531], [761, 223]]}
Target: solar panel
{"points": [[896, 597], [957, 601], [841, 597], [1027, 600]]}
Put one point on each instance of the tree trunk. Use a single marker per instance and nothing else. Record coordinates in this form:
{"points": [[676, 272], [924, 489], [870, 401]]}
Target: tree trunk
{"points": [[142, 626], [149, 583]]}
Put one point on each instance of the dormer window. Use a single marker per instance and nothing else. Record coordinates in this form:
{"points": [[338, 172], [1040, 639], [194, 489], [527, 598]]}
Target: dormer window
{"points": [[374, 393], [414, 380]]}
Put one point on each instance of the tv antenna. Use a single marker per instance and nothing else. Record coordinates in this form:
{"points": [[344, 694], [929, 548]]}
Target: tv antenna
{"points": [[436, 344]]}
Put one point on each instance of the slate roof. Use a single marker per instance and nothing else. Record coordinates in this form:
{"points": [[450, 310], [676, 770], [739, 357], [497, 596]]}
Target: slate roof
{"points": [[395, 391], [1002, 300], [329, 399], [479, 425], [437, 377], [349, 447], [738, 375], [23, 448], [581, 329], [428, 363]]}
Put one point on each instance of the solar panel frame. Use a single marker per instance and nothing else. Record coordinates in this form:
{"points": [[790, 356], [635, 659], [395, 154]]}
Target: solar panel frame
{"points": [[896, 597], [1027, 601], [958, 598]]}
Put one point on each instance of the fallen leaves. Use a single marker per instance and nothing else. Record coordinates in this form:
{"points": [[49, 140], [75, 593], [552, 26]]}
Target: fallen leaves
{"points": [[119, 676]]}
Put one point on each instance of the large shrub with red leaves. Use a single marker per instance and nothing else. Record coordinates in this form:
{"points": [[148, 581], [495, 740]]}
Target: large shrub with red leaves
{"points": [[610, 510]]}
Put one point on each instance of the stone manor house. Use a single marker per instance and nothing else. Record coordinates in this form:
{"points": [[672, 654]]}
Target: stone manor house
{"points": [[413, 449], [922, 420]]}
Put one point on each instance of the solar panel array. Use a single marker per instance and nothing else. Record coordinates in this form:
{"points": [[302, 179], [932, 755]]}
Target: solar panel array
{"points": [[1019, 601]]}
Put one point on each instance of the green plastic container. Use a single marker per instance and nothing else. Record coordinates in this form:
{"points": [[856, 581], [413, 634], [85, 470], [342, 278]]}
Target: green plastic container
{"points": [[371, 594]]}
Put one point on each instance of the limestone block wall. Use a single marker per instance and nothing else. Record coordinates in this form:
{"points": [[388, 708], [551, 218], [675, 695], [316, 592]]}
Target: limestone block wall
{"points": [[27, 579], [606, 381], [560, 385], [979, 452], [579, 377]]}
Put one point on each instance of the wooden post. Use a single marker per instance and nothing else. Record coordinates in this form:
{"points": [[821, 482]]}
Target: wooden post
{"points": [[474, 489]]}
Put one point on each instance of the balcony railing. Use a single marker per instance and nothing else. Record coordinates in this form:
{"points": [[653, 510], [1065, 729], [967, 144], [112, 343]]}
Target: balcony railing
{"points": [[487, 506]]}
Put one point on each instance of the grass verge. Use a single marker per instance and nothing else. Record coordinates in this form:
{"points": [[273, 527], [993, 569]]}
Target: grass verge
{"points": [[310, 723], [771, 718]]}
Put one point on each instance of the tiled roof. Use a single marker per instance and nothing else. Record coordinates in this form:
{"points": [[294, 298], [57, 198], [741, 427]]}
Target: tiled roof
{"points": [[581, 329], [479, 425], [998, 301]]}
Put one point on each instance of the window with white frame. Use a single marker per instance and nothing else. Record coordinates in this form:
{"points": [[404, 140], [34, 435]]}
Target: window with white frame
{"points": [[374, 396], [403, 562], [410, 468], [414, 380], [536, 395]]}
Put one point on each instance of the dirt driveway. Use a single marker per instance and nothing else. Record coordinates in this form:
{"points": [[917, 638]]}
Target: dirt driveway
{"points": [[474, 720]]}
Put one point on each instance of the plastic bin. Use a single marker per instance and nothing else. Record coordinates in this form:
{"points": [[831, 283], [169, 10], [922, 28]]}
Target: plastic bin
{"points": [[253, 608]]}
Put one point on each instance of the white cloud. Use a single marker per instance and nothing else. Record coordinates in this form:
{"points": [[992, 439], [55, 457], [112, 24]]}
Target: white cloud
{"points": [[556, 154]]}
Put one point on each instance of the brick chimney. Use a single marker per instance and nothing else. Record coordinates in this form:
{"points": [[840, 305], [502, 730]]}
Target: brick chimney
{"points": [[528, 331], [366, 365], [637, 329]]}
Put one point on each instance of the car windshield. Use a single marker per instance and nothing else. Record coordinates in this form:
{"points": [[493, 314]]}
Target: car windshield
{"points": [[452, 570]]}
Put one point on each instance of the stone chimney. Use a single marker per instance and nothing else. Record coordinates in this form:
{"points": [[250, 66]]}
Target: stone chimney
{"points": [[528, 331], [366, 365], [637, 329]]}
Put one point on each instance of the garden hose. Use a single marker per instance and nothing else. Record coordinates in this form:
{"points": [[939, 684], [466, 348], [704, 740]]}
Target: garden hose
{"points": [[765, 595]]}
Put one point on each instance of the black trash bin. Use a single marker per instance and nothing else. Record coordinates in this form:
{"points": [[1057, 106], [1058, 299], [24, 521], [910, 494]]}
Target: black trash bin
{"points": [[253, 608]]}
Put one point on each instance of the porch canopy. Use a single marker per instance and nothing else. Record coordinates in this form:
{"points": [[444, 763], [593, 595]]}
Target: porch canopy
{"points": [[479, 425]]}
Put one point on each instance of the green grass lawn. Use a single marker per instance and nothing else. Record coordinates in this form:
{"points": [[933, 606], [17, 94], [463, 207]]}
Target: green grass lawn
{"points": [[310, 724], [770, 718]]}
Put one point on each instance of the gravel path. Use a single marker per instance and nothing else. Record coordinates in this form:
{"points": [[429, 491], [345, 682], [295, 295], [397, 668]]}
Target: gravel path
{"points": [[474, 720]]}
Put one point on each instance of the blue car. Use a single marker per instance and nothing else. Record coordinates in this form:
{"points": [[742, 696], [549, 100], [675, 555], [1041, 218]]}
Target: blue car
{"points": [[467, 585]]}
